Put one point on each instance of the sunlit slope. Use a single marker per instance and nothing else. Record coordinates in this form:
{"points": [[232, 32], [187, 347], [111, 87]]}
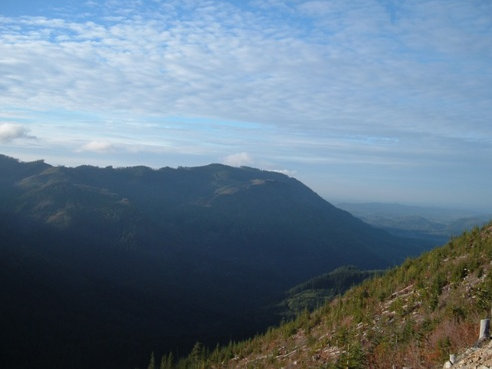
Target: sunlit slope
{"points": [[413, 316]]}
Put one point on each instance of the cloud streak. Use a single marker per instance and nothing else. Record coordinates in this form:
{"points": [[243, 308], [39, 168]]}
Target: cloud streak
{"points": [[97, 146]]}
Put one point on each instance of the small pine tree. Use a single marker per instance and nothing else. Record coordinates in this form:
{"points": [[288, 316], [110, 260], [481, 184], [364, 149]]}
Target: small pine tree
{"points": [[353, 358], [151, 362], [197, 354], [167, 361]]}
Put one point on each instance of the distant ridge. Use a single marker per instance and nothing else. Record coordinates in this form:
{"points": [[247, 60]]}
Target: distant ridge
{"points": [[434, 224]]}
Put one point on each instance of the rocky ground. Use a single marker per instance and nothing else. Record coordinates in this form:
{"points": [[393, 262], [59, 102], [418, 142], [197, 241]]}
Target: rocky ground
{"points": [[474, 358]]}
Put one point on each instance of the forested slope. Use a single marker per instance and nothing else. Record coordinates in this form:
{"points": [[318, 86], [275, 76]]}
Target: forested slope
{"points": [[413, 316]]}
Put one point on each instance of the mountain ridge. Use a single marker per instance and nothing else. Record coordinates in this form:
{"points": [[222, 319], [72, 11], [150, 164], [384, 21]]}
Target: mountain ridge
{"points": [[216, 189], [161, 258]]}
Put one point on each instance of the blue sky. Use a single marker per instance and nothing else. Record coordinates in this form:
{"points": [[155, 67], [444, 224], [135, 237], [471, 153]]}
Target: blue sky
{"points": [[361, 100]]}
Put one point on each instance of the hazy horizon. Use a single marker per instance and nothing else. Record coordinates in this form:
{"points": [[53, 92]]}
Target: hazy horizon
{"points": [[372, 101]]}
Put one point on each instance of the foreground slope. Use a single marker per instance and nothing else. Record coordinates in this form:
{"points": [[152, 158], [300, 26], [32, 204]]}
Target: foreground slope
{"points": [[99, 266], [413, 316]]}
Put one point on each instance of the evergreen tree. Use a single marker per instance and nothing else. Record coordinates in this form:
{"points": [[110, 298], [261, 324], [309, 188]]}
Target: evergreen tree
{"points": [[197, 355], [167, 361], [151, 362]]}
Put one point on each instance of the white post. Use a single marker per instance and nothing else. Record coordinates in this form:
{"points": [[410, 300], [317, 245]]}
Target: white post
{"points": [[484, 329], [452, 358]]}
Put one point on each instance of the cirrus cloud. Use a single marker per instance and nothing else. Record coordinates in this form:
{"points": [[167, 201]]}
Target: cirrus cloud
{"points": [[97, 146]]}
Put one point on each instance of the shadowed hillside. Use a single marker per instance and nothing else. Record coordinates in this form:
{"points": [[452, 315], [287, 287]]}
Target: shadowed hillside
{"points": [[102, 265]]}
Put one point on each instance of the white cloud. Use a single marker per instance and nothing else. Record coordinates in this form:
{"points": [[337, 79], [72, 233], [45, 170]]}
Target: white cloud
{"points": [[12, 131], [239, 159], [287, 172], [97, 146]]}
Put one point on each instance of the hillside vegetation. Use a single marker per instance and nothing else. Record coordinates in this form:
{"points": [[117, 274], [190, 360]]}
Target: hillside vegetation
{"points": [[413, 316], [318, 290]]}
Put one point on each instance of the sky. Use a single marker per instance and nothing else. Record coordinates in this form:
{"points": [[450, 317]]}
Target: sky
{"points": [[361, 100]]}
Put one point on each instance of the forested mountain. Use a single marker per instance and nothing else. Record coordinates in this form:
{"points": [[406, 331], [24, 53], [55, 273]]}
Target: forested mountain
{"points": [[413, 316], [100, 266]]}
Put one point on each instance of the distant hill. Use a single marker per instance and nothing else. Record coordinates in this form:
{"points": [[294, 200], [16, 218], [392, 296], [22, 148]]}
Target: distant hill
{"points": [[434, 224], [100, 266], [413, 316], [321, 289]]}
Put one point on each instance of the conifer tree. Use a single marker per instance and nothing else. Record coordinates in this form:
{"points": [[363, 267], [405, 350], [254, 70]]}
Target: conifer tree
{"points": [[197, 354], [151, 362], [167, 361]]}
